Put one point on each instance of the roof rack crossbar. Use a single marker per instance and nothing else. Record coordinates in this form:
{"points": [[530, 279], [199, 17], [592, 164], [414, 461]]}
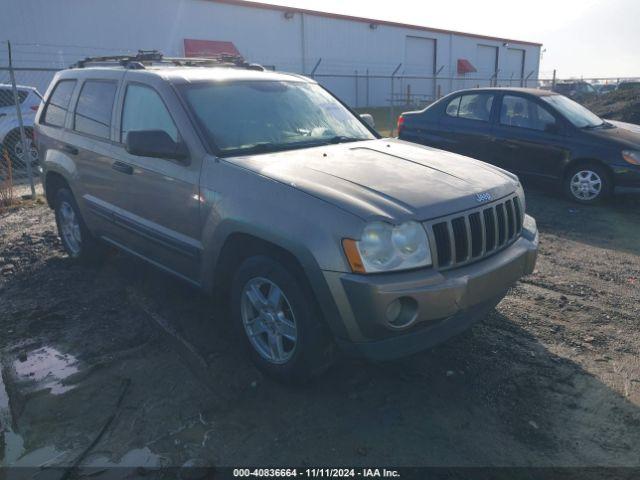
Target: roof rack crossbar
{"points": [[146, 58]]}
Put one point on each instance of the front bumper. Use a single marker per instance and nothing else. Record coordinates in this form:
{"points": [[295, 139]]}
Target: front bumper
{"points": [[445, 303], [626, 178]]}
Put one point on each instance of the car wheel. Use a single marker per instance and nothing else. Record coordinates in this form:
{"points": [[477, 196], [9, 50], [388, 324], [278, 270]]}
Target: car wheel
{"points": [[76, 239], [279, 322], [16, 150], [587, 184]]}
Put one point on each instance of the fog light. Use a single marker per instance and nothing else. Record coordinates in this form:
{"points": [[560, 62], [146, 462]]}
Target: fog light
{"points": [[402, 312]]}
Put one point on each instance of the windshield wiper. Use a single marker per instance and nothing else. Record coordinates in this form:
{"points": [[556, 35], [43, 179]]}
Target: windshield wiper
{"points": [[589, 127], [270, 147], [342, 139], [263, 147]]}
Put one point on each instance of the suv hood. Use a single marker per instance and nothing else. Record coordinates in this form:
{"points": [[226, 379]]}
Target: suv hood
{"points": [[386, 179]]}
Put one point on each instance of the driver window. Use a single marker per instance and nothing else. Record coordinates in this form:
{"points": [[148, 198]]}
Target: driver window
{"points": [[144, 110], [523, 113]]}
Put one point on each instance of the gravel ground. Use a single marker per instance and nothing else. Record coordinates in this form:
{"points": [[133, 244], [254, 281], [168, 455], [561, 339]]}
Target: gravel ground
{"points": [[551, 378]]}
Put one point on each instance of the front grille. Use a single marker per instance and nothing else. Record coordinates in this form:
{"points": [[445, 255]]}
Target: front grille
{"points": [[473, 235]]}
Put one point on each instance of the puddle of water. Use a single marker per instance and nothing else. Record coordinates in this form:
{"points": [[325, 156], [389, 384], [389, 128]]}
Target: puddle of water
{"points": [[13, 443], [48, 368]]}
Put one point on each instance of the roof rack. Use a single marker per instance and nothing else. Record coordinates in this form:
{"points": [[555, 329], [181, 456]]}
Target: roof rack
{"points": [[147, 58]]}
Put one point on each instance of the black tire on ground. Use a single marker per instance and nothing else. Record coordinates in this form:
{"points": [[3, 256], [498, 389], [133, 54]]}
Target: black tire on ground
{"points": [[89, 249], [591, 172], [314, 348]]}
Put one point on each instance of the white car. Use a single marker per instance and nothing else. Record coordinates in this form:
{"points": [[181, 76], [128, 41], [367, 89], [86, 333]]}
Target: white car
{"points": [[10, 140]]}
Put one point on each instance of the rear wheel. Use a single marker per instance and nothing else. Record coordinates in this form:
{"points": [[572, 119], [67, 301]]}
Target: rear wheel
{"points": [[76, 239], [278, 321], [16, 151], [587, 184]]}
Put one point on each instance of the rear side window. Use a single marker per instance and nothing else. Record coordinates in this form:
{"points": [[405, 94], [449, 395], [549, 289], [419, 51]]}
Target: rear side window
{"points": [[6, 97], [56, 110], [476, 106], [144, 110], [93, 111]]}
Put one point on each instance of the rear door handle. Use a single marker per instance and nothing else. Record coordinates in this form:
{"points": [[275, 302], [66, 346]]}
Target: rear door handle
{"points": [[70, 149], [122, 167]]}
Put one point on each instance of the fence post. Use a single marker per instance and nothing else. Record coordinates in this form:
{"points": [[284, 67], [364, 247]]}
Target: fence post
{"points": [[357, 89], [367, 89], [526, 80], [553, 80], [313, 72], [23, 136], [391, 110]]}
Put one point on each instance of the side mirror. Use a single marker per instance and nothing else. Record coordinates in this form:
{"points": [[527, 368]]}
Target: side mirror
{"points": [[368, 119], [155, 143]]}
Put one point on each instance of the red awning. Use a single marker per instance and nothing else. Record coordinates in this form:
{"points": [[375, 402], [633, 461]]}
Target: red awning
{"points": [[208, 48], [464, 66]]}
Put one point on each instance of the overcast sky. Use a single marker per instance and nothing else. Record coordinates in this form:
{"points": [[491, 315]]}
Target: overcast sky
{"points": [[590, 38]]}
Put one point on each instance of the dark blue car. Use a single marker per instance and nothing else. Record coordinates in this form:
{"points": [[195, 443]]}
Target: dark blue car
{"points": [[533, 133]]}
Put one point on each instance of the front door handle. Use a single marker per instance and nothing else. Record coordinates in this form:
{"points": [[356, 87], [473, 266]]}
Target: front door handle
{"points": [[122, 168], [70, 149]]}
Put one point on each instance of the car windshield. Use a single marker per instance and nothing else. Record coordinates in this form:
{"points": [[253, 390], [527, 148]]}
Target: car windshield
{"points": [[574, 112], [250, 117]]}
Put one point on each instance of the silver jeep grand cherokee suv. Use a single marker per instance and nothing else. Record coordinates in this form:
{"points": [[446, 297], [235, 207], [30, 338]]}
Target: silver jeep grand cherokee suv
{"points": [[265, 187]]}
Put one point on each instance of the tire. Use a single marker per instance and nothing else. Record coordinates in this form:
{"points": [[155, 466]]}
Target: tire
{"points": [[588, 184], [76, 238], [305, 349], [13, 145]]}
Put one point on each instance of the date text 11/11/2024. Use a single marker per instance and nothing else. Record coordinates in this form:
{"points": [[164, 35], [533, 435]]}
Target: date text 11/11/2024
{"points": [[316, 473]]}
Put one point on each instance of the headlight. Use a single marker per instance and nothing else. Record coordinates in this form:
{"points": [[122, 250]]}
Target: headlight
{"points": [[384, 248], [631, 156]]}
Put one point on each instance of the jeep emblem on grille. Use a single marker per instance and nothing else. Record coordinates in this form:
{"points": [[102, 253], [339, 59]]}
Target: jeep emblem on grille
{"points": [[483, 197]]}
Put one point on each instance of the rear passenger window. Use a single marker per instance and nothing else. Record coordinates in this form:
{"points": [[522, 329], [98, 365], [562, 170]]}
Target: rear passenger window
{"points": [[56, 110], [93, 111], [476, 106], [144, 110], [6, 97]]}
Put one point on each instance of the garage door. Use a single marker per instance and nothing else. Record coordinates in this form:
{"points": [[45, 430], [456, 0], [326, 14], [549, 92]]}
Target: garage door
{"points": [[419, 60], [486, 64], [514, 73]]}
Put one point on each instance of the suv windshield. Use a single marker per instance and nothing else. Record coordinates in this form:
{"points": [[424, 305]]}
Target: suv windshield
{"points": [[248, 117], [574, 112]]}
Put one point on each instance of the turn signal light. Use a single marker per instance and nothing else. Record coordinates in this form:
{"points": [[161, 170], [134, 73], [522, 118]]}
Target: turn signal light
{"points": [[631, 156], [353, 256]]}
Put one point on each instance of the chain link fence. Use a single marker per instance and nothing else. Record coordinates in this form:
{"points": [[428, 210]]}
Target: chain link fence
{"points": [[384, 90], [21, 89]]}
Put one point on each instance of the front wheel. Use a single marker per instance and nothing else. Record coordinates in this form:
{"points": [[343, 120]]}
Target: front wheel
{"points": [[76, 238], [279, 322], [587, 184]]}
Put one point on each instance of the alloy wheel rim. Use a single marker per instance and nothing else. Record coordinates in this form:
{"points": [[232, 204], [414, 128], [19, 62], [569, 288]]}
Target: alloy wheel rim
{"points": [[268, 320], [586, 185], [19, 151], [70, 228]]}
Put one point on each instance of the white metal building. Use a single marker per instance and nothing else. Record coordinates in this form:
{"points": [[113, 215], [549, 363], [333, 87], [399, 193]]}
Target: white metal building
{"points": [[354, 57]]}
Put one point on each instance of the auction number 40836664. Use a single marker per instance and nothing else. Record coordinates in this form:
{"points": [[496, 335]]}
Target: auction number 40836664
{"points": [[316, 473]]}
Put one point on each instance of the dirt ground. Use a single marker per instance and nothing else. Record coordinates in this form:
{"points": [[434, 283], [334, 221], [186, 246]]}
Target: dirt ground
{"points": [[149, 367]]}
